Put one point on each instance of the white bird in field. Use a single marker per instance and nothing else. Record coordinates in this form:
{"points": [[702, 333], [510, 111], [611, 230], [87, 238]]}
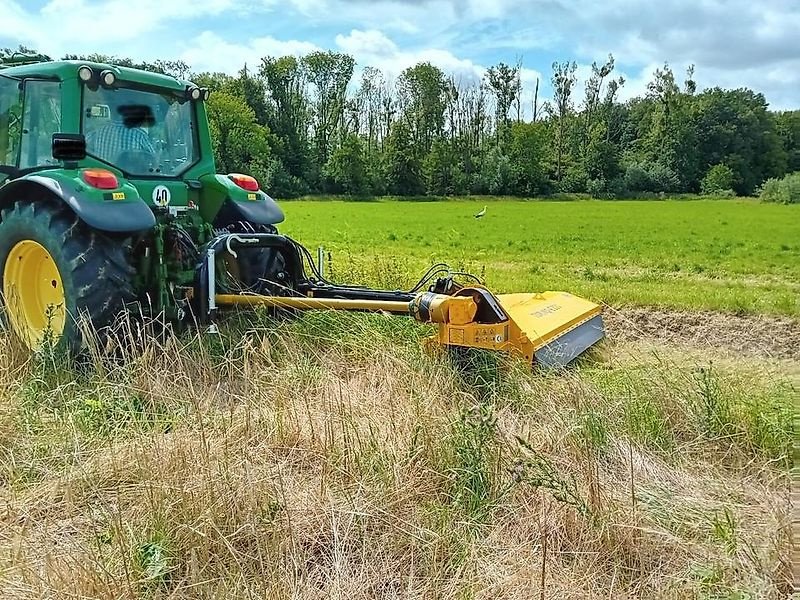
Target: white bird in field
{"points": [[481, 213]]}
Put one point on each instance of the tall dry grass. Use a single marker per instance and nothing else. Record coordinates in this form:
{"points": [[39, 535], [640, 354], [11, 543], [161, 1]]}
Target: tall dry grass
{"points": [[331, 457]]}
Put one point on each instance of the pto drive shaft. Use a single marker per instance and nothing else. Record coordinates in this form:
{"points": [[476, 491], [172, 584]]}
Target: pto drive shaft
{"points": [[426, 307]]}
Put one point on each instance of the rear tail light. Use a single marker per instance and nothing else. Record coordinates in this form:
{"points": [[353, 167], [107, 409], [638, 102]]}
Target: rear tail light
{"points": [[100, 179], [244, 181]]}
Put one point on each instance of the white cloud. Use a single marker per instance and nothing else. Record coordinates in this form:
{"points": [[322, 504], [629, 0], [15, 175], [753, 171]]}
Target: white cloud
{"points": [[366, 43], [308, 8], [373, 48], [210, 52], [15, 24], [528, 77], [732, 43], [426, 18], [82, 26]]}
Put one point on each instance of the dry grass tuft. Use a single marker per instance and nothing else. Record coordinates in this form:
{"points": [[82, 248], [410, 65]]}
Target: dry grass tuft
{"points": [[330, 457]]}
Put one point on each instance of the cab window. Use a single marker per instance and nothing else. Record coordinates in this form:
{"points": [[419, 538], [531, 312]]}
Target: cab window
{"points": [[10, 120], [41, 118], [142, 132]]}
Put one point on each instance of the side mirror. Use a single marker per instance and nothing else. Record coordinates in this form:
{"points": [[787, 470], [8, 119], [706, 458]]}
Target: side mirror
{"points": [[69, 146]]}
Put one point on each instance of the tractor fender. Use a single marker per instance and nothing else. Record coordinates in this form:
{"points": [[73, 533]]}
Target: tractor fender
{"points": [[226, 203], [97, 208], [264, 211]]}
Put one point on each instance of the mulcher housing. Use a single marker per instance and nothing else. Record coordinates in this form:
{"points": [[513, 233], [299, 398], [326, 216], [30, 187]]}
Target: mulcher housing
{"points": [[110, 201]]}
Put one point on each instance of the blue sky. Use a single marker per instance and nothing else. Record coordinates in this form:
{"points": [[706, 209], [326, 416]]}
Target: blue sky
{"points": [[733, 43]]}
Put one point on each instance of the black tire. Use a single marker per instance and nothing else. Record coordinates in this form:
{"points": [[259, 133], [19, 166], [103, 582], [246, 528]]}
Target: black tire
{"points": [[94, 269], [259, 270]]}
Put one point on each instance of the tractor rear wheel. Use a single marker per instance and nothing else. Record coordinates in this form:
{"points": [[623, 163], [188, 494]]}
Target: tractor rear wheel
{"points": [[257, 270], [54, 271]]}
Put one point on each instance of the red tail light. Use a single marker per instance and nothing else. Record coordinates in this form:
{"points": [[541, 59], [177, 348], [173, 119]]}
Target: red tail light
{"points": [[100, 179], [244, 181]]}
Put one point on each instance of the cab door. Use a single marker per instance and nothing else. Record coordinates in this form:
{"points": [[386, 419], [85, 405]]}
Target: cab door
{"points": [[10, 125], [41, 118]]}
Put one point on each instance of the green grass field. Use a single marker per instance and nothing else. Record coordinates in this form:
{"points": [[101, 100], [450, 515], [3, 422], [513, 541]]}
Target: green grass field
{"points": [[731, 255]]}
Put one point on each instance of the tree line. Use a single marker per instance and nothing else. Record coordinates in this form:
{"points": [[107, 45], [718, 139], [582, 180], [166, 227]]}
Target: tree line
{"points": [[308, 125]]}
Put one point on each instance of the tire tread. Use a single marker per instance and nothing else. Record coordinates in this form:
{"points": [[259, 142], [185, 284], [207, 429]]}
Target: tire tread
{"points": [[101, 273]]}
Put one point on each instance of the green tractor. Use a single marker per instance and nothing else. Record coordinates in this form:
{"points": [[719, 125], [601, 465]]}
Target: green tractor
{"points": [[110, 204]]}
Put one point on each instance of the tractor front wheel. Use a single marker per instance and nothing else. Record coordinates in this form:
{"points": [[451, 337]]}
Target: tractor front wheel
{"points": [[55, 271]]}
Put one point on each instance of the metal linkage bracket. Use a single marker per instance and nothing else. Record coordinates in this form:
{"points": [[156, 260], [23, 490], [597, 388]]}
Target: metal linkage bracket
{"points": [[206, 271]]}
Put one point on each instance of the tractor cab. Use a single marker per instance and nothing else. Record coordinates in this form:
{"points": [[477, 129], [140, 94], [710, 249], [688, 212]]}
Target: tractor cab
{"points": [[150, 131], [117, 109], [141, 126]]}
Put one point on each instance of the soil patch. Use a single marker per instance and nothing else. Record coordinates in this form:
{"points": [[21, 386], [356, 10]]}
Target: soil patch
{"points": [[765, 336]]}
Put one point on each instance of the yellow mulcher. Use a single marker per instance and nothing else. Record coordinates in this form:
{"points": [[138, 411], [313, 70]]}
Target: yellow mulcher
{"points": [[549, 328]]}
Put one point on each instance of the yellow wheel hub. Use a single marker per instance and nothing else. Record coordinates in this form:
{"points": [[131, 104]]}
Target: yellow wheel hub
{"points": [[34, 293]]}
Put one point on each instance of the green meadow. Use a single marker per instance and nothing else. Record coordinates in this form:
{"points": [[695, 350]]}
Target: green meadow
{"points": [[731, 255]]}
